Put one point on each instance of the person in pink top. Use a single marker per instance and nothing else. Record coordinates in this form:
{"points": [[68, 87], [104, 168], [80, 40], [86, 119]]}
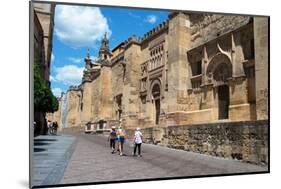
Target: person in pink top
{"points": [[138, 142]]}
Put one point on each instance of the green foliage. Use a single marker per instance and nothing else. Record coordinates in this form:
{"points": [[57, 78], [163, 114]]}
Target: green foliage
{"points": [[44, 100]]}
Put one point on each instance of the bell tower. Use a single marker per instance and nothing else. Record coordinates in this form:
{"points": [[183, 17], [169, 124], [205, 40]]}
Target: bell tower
{"points": [[104, 52]]}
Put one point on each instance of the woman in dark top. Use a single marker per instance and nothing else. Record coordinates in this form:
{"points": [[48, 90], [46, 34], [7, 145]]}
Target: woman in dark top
{"points": [[112, 137]]}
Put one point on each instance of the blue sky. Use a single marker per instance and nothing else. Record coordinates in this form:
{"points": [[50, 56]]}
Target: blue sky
{"points": [[78, 28]]}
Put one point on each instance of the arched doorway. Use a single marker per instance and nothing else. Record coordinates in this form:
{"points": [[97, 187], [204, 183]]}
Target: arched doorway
{"points": [[223, 101], [220, 71], [156, 98], [221, 74]]}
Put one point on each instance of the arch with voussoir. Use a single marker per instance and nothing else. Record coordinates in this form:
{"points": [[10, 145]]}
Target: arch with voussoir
{"points": [[220, 64], [155, 83]]}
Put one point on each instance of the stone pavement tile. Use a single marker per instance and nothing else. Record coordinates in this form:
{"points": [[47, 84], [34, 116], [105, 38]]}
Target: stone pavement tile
{"points": [[50, 157]]}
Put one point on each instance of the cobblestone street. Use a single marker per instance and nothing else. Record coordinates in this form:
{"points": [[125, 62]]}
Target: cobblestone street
{"points": [[93, 162], [86, 158]]}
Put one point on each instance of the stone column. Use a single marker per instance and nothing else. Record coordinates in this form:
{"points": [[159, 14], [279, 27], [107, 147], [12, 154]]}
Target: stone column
{"points": [[131, 85], [204, 66], [179, 43], [261, 66], [106, 93]]}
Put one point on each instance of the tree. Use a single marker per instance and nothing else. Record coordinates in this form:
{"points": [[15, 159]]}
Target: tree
{"points": [[44, 100]]}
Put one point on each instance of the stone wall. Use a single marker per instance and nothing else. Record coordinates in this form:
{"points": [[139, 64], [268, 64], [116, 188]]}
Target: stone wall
{"points": [[261, 32], [73, 111], [246, 140], [86, 100], [147, 135], [72, 130], [205, 27]]}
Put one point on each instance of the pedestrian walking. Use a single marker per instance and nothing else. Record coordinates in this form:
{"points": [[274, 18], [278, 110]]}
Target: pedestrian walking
{"points": [[34, 125], [137, 142], [55, 127], [49, 125], [112, 138], [121, 140]]}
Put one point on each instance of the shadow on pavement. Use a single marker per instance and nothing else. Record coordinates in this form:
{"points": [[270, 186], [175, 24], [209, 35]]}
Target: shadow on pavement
{"points": [[44, 139], [40, 143], [39, 149]]}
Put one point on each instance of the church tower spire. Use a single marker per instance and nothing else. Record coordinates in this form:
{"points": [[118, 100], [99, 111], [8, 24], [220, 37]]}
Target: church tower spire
{"points": [[88, 60], [104, 52]]}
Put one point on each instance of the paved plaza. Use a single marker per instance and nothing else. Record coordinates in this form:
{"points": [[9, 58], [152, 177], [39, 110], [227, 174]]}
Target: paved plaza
{"points": [[83, 158], [50, 158], [93, 162]]}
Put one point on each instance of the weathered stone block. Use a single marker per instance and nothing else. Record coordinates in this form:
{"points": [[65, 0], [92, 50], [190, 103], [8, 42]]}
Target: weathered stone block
{"points": [[245, 141]]}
